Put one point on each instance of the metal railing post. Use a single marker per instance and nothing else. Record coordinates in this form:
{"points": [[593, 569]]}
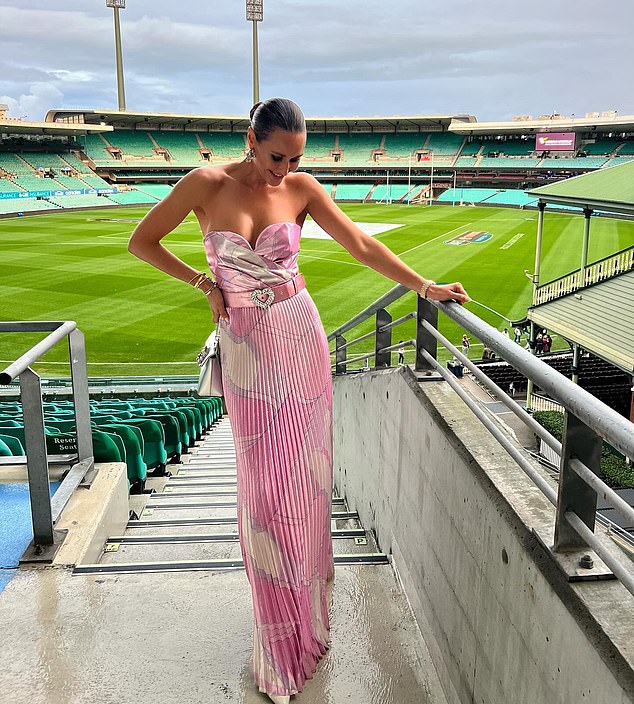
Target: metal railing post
{"points": [[81, 402], [424, 339], [340, 356], [382, 339], [37, 464], [582, 443]]}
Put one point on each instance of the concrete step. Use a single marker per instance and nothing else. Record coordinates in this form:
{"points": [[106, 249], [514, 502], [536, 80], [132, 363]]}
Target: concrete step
{"points": [[348, 519], [199, 548], [221, 533], [210, 565]]}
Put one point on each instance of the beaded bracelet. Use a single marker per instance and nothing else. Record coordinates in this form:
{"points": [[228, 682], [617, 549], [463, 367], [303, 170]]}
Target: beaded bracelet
{"points": [[425, 287]]}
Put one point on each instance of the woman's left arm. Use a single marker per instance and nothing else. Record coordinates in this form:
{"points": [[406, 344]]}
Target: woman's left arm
{"points": [[368, 250]]}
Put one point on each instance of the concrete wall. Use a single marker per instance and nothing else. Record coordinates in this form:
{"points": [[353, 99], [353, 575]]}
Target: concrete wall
{"points": [[503, 624]]}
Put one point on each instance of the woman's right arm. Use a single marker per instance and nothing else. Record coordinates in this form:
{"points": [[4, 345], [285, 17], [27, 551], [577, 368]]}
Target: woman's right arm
{"points": [[164, 217], [145, 243]]}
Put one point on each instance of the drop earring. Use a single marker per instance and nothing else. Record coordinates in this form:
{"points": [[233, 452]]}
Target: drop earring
{"points": [[250, 155]]}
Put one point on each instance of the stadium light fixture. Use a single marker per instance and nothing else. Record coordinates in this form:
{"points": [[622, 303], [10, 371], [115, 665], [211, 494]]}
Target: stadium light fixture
{"points": [[117, 5], [255, 14]]}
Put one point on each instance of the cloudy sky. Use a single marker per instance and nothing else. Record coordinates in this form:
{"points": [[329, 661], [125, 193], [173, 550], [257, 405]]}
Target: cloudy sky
{"points": [[489, 58]]}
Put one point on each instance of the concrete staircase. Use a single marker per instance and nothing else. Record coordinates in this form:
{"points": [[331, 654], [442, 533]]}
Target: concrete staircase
{"points": [[191, 525]]}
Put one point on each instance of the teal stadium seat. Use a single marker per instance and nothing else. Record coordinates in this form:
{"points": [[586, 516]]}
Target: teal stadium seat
{"points": [[14, 444], [224, 146], [133, 442], [5, 450], [357, 148], [352, 191]]}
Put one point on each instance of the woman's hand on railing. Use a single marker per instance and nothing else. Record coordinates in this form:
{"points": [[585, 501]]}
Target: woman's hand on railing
{"points": [[217, 305], [448, 292]]}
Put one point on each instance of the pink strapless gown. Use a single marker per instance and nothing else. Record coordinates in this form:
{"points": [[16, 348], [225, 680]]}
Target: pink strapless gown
{"points": [[278, 392]]}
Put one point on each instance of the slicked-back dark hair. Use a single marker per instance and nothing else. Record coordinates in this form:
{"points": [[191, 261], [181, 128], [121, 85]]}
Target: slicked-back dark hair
{"points": [[276, 114]]}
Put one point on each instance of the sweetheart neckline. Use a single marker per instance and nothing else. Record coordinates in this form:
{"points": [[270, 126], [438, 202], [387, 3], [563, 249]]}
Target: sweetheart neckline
{"points": [[257, 239]]}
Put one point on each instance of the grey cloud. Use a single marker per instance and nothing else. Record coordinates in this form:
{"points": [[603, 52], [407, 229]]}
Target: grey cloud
{"points": [[489, 58]]}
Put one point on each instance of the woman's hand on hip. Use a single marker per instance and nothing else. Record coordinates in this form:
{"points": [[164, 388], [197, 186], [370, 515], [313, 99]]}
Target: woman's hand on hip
{"points": [[448, 292], [217, 305]]}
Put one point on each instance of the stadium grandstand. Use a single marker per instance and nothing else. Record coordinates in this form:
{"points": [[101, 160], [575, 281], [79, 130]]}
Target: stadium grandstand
{"points": [[86, 158]]}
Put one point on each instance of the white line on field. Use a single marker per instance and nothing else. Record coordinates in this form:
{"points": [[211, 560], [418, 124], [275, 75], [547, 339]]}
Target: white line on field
{"points": [[444, 234], [110, 364], [332, 261]]}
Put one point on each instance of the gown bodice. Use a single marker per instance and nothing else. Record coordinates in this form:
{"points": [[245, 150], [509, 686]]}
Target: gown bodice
{"points": [[239, 266]]}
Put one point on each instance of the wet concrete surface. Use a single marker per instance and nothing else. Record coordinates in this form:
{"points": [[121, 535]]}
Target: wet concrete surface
{"points": [[186, 638]]}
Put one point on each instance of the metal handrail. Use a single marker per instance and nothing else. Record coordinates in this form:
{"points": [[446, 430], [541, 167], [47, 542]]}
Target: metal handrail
{"points": [[44, 510], [587, 420], [58, 333]]}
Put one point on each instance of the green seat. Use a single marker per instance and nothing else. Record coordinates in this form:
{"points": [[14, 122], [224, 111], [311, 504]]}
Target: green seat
{"points": [[117, 440], [200, 408], [5, 450], [190, 420], [133, 442], [105, 448], [10, 423], [171, 433], [154, 452], [181, 418], [56, 442], [113, 404], [111, 412], [17, 450]]}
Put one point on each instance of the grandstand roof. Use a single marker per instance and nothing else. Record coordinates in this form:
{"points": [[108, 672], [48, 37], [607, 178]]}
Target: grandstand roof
{"points": [[599, 318], [239, 123], [622, 123], [49, 128], [610, 189]]}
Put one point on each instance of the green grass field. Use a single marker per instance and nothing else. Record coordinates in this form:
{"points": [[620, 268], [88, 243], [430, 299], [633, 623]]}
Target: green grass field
{"points": [[138, 321]]}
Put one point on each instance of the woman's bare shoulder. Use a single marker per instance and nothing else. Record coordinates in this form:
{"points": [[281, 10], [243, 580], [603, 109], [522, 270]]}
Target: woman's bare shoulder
{"points": [[200, 183], [205, 176], [303, 182]]}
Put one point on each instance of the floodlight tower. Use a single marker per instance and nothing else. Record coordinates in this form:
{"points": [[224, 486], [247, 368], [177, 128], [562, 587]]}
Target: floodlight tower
{"points": [[255, 14], [116, 5]]}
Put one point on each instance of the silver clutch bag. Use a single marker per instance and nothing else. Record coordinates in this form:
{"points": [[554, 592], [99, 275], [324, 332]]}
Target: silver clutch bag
{"points": [[210, 378]]}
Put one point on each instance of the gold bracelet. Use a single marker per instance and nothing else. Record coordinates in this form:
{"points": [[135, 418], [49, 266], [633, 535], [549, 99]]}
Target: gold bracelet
{"points": [[425, 287], [202, 280], [195, 278], [214, 286]]}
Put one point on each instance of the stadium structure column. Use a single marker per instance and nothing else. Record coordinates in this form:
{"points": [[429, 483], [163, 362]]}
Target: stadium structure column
{"points": [[538, 256], [575, 363], [116, 5], [255, 14], [587, 214]]}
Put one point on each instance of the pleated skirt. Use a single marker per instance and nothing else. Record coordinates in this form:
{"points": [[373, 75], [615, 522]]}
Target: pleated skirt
{"points": [[278, 393]]}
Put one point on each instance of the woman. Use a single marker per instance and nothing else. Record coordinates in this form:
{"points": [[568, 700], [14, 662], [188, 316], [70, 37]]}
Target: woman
{"points": [[276, 372]]}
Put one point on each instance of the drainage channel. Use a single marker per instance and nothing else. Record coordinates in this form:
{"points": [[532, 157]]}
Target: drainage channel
{"points": [[191, 525]]}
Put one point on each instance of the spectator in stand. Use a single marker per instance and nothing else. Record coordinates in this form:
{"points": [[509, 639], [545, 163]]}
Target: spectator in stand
{"points": [[505, 332], [512, 389], [539, 343], [548, 342], [466, 344], [518, 335]]}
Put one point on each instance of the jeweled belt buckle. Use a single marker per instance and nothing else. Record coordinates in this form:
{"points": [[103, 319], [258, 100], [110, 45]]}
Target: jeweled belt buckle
{"points": [[262, 297]]}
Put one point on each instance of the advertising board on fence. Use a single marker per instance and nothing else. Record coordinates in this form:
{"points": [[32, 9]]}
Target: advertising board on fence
{"points": [[57, 194]]}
